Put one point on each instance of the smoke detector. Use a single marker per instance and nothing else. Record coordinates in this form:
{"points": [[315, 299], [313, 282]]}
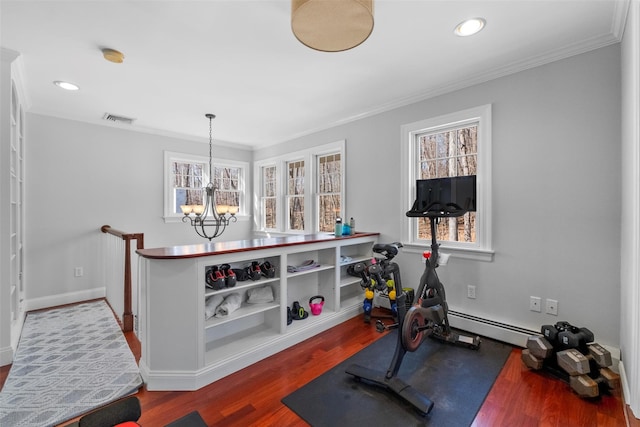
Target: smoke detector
{"points": [[113, 55]]}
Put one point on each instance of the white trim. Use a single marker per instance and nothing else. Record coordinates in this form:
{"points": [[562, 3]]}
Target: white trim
{"points": [[483, 246], [630, 224], [66, 298], [309, 156], [169, 156]]}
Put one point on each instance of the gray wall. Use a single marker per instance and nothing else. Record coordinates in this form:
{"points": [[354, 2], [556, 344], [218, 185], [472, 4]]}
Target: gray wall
{"points": [[83, 176], [556, 193]]}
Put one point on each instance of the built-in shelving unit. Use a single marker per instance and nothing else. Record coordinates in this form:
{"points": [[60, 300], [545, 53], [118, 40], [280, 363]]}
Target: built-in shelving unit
{"points": [[12, 130], [182, 350]]}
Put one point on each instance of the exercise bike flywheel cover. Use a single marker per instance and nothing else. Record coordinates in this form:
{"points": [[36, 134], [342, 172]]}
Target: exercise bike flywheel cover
{"points": [[412, 335], [316, 307]]}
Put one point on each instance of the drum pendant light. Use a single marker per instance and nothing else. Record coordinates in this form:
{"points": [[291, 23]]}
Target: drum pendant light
{"points": [[332, 25]]}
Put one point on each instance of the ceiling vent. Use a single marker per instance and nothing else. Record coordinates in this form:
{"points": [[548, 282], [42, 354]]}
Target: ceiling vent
{"points": [[119, 119]]}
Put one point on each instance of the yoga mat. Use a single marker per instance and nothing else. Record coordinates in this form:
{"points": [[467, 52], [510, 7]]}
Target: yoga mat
{"points": [[69, 361], [456, 379]]}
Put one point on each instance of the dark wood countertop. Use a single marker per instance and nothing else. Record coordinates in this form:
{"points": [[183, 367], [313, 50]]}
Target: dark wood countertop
{"points": [[218, 248]]}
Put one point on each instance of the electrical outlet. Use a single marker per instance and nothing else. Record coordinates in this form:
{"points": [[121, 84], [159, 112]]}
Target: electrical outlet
{"points": [[552, 307], [535, 304], [471, 291], [78, 272]]}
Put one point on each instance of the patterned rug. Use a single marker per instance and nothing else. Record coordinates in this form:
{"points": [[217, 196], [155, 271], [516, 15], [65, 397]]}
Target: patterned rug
{"points": [[69, 361]]}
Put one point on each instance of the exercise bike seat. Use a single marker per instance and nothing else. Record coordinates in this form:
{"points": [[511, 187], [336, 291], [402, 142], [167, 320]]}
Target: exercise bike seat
{"points": [[389, 250]]}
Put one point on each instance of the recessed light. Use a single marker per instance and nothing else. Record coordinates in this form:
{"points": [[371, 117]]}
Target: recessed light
{"points": [[469, 27], [66, 85]]}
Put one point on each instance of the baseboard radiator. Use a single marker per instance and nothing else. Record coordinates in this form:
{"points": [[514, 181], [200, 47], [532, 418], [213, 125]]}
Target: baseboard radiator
{"points": [[504, 332], [490, 328]]}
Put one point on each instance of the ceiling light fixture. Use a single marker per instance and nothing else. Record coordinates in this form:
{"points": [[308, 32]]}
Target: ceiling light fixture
{"points": [[113, 55], [66, 85], [469, 27], [330, 25], [209, 220]]}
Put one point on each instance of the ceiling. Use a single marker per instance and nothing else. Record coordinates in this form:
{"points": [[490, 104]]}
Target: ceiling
{"points": [[239, 59]]}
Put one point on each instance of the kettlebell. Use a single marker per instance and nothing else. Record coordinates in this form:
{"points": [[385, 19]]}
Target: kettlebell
{"points": [[316, 307]]}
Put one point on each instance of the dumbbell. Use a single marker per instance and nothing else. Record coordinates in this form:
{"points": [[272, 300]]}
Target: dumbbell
{"points": [[600, 355], [585, 386], [573, 362], [573, 337], [538, 349], [566, 335]]}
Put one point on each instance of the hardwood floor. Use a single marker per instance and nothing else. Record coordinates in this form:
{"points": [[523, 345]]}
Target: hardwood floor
{"points": [[252, 396]]}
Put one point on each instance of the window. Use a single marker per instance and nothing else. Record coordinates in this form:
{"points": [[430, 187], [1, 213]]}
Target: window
{"points": [[311, 195], [457, 144], [445, 153], [329, 191], [295, 195], [268, 211], [187, 175]]}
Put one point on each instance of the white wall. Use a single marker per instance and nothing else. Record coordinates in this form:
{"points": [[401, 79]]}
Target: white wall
{"points": [[556, 192], [80, 177], [630, 224]]}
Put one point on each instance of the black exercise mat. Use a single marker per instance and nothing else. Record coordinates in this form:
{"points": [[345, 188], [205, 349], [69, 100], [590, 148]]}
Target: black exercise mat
{"points": [[456, 379]]}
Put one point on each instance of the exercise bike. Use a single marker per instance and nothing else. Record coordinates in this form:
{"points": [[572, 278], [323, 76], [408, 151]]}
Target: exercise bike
{"points": [[427, 317]]}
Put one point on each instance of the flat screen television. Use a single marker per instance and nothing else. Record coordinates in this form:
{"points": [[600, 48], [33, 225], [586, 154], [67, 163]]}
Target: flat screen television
{"points": [[448, 195]]}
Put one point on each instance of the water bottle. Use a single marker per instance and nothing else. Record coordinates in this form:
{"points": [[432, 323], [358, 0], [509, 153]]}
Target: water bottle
{"points": [[338, 230], [352, 225]]}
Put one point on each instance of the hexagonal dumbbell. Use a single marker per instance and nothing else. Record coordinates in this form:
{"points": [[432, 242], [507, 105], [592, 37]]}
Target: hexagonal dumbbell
{"points": [[585, 386], [531, 361], [573, 362], [539, 347], [600, 355]]}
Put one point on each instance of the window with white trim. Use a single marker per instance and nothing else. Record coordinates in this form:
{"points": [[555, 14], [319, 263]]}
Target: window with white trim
{"points": [[329, 189], [187, 175], [295, 195], [268, 198], [457, 144], [301, 191]]}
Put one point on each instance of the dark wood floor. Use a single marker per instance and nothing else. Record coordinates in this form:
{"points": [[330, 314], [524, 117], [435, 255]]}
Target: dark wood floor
{"points": [[252, 396]]}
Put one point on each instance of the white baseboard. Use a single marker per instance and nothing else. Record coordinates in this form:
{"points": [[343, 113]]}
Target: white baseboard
{"points": [[6, 355], [62, 299]]}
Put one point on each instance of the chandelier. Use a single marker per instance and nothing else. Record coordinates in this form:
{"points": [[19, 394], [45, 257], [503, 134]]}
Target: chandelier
{"points": [[209, 220], [332, 25]]}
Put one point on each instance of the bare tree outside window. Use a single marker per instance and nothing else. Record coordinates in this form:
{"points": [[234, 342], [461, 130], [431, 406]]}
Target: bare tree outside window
{"points": [[329, 191], [295, 194], [188, 181], [269, 193], [449, 153], [227, 181]]}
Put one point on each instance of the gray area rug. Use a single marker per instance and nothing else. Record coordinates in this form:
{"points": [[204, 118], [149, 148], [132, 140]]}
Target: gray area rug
{"points": [[69, 361]]}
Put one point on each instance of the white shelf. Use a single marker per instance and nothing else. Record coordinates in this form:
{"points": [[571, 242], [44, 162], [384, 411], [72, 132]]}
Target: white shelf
{"points": [[240, 286], [310, 271], [244, 311]]}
